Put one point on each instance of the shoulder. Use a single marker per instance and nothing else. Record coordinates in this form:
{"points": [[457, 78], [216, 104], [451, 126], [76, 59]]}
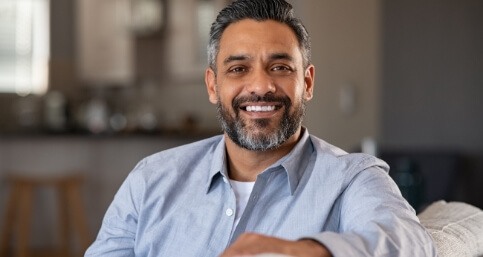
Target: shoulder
{"points": [[179, 158], [187, 151], [341, 165]]}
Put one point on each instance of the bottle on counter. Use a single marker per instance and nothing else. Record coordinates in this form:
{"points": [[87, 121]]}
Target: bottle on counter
{"points": [[55, 111]]}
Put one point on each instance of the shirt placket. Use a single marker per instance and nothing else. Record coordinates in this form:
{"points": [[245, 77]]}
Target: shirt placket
{"points": [[226, 213], [259, 186]]}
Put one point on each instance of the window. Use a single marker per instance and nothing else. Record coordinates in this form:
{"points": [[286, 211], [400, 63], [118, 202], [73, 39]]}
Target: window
{"points": [[24, 46]]}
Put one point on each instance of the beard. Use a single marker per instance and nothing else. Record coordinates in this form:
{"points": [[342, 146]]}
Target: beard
{"points": [[246, 136]]}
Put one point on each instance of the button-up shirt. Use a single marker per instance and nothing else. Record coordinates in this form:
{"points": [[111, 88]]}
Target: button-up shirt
{"points": [[179, 202]]}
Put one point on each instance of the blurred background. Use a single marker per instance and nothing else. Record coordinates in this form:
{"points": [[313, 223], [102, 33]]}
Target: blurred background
{"points": [[90, 87]]}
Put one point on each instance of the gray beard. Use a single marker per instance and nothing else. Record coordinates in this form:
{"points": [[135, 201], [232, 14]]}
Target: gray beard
{"points": [[237, 130]]}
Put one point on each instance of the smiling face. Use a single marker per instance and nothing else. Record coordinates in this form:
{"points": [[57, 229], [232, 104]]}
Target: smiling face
{"points": [[260, 86]]}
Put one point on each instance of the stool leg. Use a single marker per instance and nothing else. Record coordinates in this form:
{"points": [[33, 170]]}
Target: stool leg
{"points": [[24, 220], [63, 223], [9, 221], [77, 213]]}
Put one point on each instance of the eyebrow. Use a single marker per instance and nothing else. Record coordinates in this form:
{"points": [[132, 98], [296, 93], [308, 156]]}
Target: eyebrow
{"points": [[233, 58], [272, 57], [281, 56]]}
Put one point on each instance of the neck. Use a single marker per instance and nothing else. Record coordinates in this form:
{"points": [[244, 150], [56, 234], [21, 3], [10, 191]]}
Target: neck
{"points": [[245, 165]]}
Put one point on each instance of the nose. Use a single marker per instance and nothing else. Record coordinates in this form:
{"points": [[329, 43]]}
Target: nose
{"points": [[260, 83]]}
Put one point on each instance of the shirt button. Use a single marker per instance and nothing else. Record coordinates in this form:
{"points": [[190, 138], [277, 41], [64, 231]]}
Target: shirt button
{"points": [[229, 212]]}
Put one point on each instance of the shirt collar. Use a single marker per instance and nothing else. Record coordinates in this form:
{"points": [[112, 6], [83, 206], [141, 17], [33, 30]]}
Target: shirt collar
{"points": [[218, 165], [297, 160], [294, 163]]}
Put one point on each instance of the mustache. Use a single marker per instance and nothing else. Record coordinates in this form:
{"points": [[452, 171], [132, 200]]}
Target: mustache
{"points": [[284, 100]]}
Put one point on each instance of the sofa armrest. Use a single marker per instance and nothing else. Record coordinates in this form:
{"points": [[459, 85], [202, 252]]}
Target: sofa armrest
{"points": [[456, 228]]}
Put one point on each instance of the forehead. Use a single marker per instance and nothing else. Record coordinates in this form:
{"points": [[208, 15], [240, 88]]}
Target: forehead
{"points": [[253, 37]]}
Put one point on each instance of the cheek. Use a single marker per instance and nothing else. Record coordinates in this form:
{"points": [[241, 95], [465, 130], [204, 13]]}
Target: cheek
{"points": [[224, 100], [295, 89], [226, 93], [302, 92]]}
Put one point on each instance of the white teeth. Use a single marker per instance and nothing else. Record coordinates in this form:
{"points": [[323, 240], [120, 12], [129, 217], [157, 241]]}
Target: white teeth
{"points": [[258, 108]]}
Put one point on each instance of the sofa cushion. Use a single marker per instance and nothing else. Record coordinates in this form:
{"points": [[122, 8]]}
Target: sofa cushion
{"points": [[456, 228]]}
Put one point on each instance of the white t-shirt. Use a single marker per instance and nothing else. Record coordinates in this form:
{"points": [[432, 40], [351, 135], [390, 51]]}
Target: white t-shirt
{"points": [[242, 193]]}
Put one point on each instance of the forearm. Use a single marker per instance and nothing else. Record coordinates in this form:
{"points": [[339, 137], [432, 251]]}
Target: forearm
{"points": [[314, 248], [251, 244], [413, 244]]}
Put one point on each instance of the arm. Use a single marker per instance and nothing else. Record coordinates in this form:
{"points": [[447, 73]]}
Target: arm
{"points": [[117, 235], [251, 244], [375, 220]]}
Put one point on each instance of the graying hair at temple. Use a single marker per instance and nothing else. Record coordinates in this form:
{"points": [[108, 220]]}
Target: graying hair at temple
{"points": [[260, 10]]}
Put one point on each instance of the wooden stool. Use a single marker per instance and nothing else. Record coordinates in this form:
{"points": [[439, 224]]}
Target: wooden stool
{"points": [[18, 217]]}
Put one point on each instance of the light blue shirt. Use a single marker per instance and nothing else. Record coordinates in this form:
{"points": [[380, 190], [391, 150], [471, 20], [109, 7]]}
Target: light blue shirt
{"points": [[179, 203]]}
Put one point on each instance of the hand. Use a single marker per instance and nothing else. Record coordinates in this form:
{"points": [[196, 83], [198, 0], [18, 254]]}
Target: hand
{"points": [[250, 244]]}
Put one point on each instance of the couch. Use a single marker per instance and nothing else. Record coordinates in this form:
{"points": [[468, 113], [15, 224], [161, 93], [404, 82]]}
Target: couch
{"points": [[456, 228]]}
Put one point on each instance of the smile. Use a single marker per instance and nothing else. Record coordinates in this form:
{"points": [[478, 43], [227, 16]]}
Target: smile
{"points": [[258, 108]]}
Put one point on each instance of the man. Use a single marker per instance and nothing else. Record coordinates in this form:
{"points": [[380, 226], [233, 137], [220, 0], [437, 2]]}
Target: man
{"points": [[265, 185]]}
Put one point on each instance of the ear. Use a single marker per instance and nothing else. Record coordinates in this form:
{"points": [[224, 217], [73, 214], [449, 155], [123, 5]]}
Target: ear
{"points": [[210, 81], [309, 77]]}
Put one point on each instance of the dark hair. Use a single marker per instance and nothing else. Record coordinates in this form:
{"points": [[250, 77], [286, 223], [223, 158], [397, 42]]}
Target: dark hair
{"points": [[260, 10]]}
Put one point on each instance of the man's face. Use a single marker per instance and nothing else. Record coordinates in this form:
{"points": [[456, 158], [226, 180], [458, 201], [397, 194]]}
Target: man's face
{"points": [[260, 86]]}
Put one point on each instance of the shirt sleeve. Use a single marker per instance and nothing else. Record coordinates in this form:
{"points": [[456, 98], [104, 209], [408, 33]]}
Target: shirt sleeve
{"points": [[116, 237], [375, 220]]}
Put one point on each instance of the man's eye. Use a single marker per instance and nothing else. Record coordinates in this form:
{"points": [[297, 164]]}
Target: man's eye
{"points": [[281, 68], [237, 69]]}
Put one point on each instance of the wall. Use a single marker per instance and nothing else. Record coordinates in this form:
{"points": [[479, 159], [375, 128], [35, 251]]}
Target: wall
{"points": [[346, 52], [433, 74], [433, 85]]}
